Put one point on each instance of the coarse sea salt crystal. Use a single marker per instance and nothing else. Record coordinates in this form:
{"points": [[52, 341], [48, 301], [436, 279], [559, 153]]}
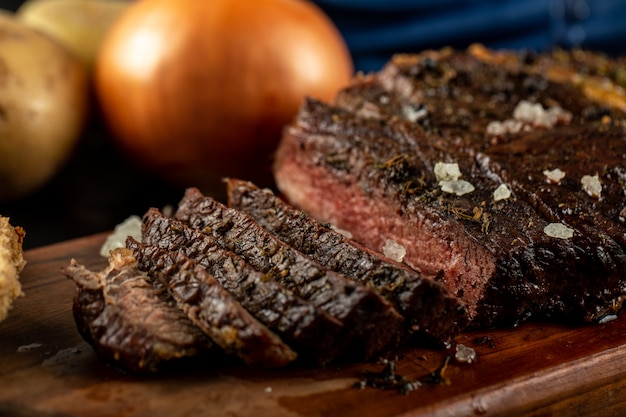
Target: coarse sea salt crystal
{"points": [[558, 230], [458, 187], [447, 172], [501, 193], [464, 354], [536, 115], [591, 185], [527, 111], [528, 115], [554, 176], [129, 227], [413, 113], [496, 128], [341, 231], [394, 250]]}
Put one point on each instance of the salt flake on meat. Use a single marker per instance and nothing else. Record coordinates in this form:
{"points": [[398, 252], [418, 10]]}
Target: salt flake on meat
{"points": [[527, 116], [535, 115], [344, 232], [558, 230], [414, 113], [497, 128], [554, 176], [458, 187], [501, 193], [591, 185], [447, 172], [394, 250]]}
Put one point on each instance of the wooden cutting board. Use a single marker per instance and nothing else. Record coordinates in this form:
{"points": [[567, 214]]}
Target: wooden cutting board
{"points": [[537, 370]]}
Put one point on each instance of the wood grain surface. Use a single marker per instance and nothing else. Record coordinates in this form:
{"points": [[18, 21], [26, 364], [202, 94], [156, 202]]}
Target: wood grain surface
{"points": [[46, 369]]}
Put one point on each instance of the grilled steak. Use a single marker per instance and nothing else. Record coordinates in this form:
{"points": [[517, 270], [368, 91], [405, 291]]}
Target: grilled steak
{"points": [[311, 331], [130, 323], [364, 312], [212, 308], [371, 164], [428, 307]]}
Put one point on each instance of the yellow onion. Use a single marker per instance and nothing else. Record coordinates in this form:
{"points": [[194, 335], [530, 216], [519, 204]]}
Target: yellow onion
{"points": [[195, 90]]}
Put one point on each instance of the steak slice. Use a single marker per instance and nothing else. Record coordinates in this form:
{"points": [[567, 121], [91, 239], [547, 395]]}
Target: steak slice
{"points": [[212, 308], [313, 333], [374, 321], [428, 307], [375, 178], [130, 323]]}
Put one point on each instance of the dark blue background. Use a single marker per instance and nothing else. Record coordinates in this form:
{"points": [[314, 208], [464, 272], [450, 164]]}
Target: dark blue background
{"points": [[376, 29]]}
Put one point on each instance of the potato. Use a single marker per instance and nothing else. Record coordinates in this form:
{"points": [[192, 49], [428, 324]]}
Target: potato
{"points": [[44, 99], [78, 24]]}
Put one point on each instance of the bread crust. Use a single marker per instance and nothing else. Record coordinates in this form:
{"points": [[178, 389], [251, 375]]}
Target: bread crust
{"points": [[11, 264]]}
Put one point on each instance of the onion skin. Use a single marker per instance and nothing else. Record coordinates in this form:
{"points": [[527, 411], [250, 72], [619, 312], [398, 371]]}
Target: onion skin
{"points": [[198, 90]]}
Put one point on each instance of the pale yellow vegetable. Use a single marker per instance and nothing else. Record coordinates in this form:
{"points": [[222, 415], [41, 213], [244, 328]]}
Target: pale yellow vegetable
{"points": [[44, 96], [79, 24]]}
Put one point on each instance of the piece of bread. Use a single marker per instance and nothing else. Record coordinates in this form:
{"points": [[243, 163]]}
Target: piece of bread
{"points": [[11, 264]]}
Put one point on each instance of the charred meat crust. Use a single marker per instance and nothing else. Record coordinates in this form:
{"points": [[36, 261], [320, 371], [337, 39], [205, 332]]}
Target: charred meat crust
{"points": [[374, 321], [316, 335], [212, 308], [429, 309], [130, 323]]}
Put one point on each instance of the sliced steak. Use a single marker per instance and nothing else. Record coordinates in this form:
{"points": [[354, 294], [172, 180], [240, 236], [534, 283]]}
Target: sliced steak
{"points": [[212, 308], [130, 323], [374, 321], [429, 308], [375, 178], [313, 333]]}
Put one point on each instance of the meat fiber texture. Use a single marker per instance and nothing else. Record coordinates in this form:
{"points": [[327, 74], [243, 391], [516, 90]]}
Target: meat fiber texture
{"points": [[212, 308], [130, 323], [371, 321], [452, 162], [314, 334]]}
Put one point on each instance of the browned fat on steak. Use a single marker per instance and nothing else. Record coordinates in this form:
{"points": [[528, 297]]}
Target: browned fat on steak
{"points": [[374, 321], [129, 323], [212, 308], [504, 231], [428, 307], [313, 333]]}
